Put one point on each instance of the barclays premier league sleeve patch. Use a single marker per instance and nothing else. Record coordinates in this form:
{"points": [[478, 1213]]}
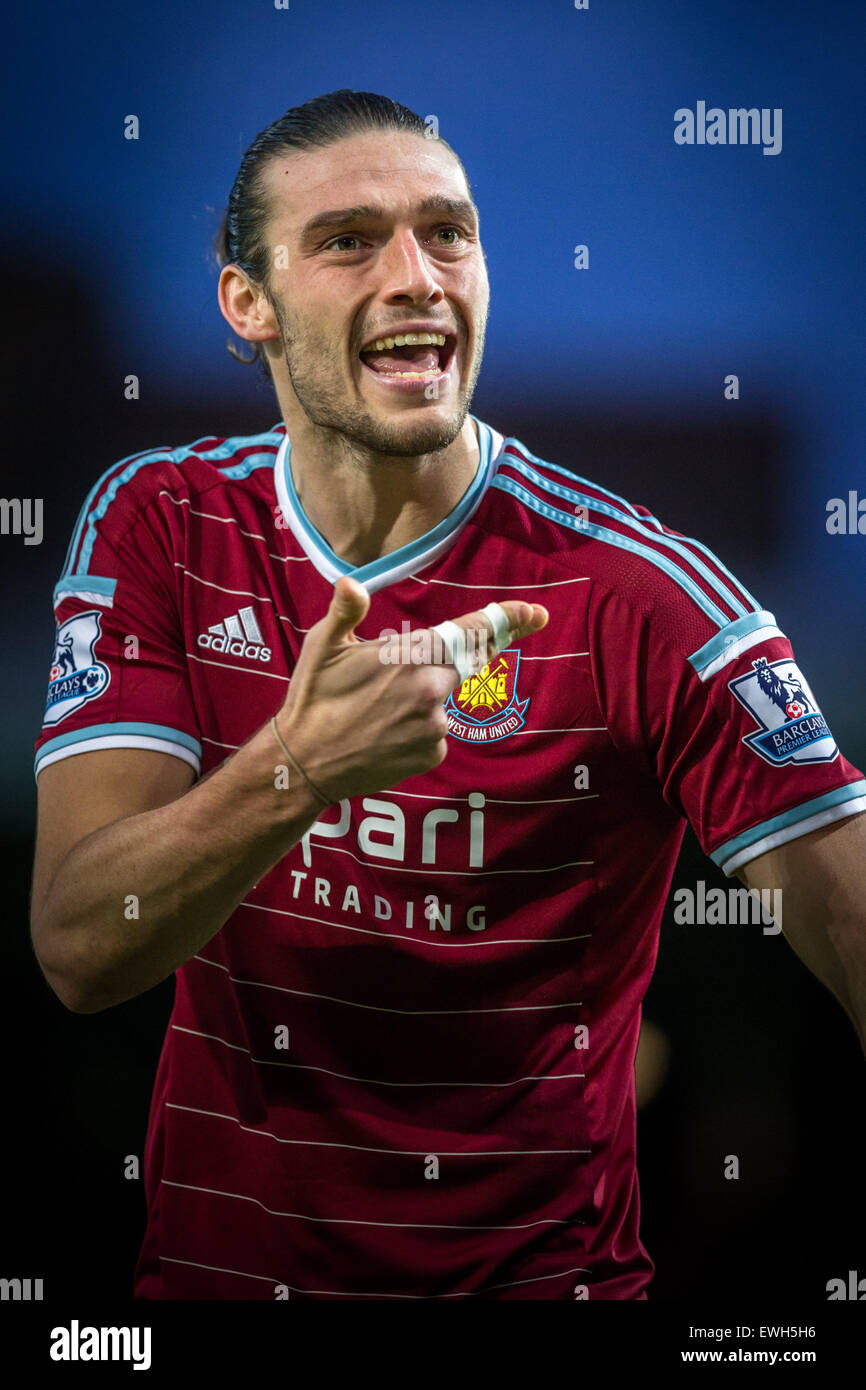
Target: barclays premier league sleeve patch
{"points": [[75, 676], [791, 728]]}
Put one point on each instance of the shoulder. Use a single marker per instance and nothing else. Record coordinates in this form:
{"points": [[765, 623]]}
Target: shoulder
{"points": [[170, 475], [642, 572]]}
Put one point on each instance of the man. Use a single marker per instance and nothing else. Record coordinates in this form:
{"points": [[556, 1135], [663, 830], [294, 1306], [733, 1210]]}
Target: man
{"points": [[411, 898]]}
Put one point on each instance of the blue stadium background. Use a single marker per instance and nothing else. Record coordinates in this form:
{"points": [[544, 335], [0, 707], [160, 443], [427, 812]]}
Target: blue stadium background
{"points": [[703, 261]]}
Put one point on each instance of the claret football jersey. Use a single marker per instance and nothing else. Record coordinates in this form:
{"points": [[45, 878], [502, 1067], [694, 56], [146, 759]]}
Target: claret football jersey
{"points": [[404, 1067]]}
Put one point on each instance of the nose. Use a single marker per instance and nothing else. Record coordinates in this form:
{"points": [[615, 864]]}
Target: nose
{"points": [[406, 272]]}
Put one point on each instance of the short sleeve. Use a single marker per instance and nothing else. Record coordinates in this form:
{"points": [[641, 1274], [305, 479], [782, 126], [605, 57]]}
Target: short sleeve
{"points": [[118, 673], [726, 723]]}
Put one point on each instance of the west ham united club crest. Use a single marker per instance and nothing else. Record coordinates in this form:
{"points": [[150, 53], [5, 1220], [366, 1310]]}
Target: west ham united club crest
{"points": [[485, 707], [792, 728]]}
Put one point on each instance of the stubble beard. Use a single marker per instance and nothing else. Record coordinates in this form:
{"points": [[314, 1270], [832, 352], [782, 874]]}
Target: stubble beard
{"points": [[314, 366]]}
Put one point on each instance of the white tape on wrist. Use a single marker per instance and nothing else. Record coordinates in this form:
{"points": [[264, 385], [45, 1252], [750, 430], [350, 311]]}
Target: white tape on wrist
{"points": [[454, 642], [501, 626]]}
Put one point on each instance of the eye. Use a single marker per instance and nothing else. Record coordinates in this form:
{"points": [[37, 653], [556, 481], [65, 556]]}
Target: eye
{"points": [[344, 236], [454, 233]]}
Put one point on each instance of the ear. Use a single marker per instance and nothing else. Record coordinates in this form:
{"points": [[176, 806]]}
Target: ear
{"points": [[245, 307]]}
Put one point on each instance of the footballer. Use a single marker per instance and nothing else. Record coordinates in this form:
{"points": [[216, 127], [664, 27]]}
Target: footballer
{"points": [[380, 734]]}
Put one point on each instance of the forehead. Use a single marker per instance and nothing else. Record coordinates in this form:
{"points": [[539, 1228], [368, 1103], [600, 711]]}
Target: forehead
{"points": [[391, 168]]}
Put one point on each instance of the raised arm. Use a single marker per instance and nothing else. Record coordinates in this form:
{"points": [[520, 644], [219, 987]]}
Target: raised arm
{"points": [[136, 869]]}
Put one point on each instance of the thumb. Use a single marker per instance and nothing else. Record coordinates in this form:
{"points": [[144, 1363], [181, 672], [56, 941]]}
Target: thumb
{"points": [[349, 606]]}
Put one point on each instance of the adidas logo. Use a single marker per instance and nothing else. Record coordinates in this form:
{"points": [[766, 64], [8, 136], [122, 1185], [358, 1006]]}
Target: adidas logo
{"points": [[238, 635]]}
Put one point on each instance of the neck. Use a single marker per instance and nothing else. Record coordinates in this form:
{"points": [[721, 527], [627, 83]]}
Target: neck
{"points": [[367, 505]]}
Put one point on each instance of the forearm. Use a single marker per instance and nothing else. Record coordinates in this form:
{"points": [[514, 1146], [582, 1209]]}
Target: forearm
{"points": [[136, 899]]}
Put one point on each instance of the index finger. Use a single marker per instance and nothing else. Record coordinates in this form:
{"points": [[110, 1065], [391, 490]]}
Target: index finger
{"points": [[469, 643]]}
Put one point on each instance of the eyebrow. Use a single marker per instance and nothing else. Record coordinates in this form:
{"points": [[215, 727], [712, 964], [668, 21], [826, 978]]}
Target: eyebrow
{"points": [[338, 217]]}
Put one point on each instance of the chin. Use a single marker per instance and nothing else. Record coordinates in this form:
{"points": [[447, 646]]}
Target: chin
{"points": [[420, 433]]}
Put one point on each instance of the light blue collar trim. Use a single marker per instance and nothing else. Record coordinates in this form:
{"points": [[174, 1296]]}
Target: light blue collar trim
{"points": [[409, 558]]}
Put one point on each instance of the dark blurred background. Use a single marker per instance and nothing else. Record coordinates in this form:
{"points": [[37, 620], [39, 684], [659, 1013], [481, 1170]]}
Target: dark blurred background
{"points": [[703, 261]]}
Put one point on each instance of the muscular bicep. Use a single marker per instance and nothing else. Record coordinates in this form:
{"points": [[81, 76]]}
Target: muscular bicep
{"points": [[79, 795]]}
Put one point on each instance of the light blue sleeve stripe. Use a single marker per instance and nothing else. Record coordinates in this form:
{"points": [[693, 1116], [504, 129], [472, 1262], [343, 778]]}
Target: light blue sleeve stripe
{"points": [[80, 520], [616, 538], [150, 454], [670, 542], [229, 447], [247, 466], [787, 818], [643, 520], [90, 515], [89, 583], [111, 730], [716, 645], [105, 501]]}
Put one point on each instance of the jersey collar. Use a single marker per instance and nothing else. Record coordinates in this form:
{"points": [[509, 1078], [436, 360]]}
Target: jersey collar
{"points": [[388, 569]]}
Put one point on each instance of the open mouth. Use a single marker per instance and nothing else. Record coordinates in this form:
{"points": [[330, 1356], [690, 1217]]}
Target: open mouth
{"points": [[410, 356]]}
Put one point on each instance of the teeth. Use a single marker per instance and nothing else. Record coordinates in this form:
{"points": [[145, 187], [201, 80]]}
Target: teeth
{"points": [[435, 372], [402, 339]]}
